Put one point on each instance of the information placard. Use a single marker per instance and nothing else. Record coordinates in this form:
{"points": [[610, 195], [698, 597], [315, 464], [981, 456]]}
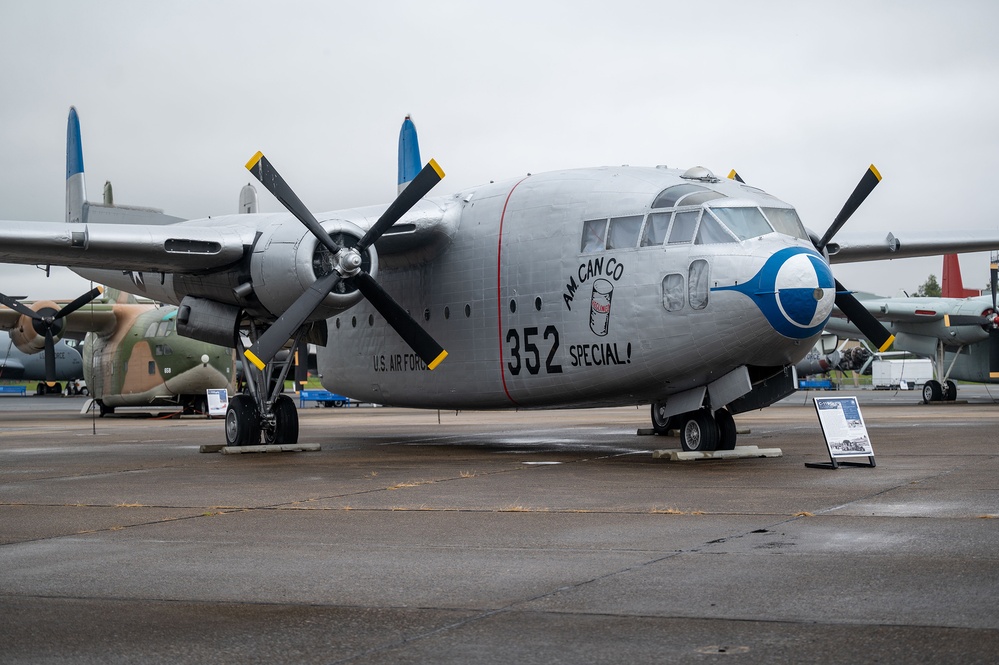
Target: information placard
{"points": [[218, 401], [844, 431]]}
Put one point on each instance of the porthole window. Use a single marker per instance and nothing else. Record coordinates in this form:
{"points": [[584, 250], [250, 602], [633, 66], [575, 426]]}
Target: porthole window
{"points": [[371, 320], [447, 312], [537, 303], [513, 306], [338, 324], [426, 314], [673, 292], [697, 284], [468, 311], [353, 322]]}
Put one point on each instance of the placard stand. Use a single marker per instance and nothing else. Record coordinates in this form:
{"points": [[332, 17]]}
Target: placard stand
{"points": [[844, 431]]}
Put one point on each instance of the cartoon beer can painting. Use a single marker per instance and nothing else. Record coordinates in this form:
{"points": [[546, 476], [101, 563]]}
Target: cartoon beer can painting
{"points": [[600, 304]]}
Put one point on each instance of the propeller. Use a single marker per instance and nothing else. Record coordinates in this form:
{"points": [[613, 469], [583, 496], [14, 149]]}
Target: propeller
{"points": [[872, 329], [988, 320], [346, 266], [48, 322]]}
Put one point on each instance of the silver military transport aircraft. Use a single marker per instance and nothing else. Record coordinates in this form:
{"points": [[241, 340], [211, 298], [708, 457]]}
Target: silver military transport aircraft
{"points": [[587, 287]]}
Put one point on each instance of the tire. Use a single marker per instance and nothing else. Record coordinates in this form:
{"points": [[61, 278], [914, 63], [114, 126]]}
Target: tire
{"points": [[699, 431], [932, 391], [662, 424], [286, 422], [242, 426], [40, 389], [104, 408], [951, 393], [727, 434]]}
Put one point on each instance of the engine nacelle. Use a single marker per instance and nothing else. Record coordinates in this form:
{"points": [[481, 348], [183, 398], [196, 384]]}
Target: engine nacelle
{"points": [[26, 337], [287, 259]]}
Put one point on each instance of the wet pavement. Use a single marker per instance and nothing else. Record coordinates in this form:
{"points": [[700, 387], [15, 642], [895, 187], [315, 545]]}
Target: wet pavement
{"points": [[530, 537]]}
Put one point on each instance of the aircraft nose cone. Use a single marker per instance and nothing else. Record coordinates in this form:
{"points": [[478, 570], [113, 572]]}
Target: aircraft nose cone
{"points": [[805, 290]]}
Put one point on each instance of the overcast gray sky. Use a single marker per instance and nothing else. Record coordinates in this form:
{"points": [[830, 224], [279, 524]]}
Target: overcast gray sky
{"points": [[799, 97]]}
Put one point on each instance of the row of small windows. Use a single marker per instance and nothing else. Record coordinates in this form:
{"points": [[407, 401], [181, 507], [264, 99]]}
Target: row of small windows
{"points": [[697, 225], [447, 313], [161, 328]]}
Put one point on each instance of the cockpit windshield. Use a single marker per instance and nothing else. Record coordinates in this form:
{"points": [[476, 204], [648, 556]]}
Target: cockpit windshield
{"points": [[745, 223], [785, 220]]}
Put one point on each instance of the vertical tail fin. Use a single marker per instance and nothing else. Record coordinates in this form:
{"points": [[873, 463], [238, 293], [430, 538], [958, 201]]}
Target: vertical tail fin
{"points": [[409, 153], [951, 284], [76, 188]]}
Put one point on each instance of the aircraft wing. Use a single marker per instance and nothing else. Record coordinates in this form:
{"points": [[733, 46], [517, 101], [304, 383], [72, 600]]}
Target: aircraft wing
{"points": [[183, 247], [910, 244]]}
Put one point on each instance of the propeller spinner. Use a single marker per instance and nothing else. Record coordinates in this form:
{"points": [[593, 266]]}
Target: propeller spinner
{"points": [[48, 322], [347, 263]]}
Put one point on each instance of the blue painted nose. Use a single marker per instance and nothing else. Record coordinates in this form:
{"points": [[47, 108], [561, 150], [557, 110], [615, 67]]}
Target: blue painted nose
{"points": [[794, 290]]}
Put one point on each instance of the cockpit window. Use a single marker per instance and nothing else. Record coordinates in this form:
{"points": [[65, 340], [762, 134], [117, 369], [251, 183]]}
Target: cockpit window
{"points": [[624, 232], [743, 222], [594, 232], [697, 198], [684, 224], [786, 221], [710, 231], [655, 229], [668, 197]]}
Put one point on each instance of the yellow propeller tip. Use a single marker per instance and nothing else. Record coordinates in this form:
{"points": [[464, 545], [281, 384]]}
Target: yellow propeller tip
{"points": [[888, 343], [874, 170], [436, 167], [252, 357], [438, 360], [253, 161]]}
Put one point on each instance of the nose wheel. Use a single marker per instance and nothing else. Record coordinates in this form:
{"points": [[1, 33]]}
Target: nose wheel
{"points": [[700, 430]]}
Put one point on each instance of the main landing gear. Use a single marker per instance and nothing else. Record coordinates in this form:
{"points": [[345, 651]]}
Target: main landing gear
{"points": [[262, 410], [700, 430], [934, 391]]}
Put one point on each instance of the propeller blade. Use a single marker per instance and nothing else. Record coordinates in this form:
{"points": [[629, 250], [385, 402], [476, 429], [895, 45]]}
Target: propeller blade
{"points": [[993, 271], [863, 190], [79, 302], [964, 320], [732, 175], [872, 329], [275, 184], [411, 332], [993, 353], [50, 364], [274, 338], [18, 307], [424, 181]]}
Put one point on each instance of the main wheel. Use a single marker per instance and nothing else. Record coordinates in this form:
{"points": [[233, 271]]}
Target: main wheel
{"points": [[286, 422], [104, 408], [726, 429], [242, 426], [950, 394], [661, 424], [932, 391], [699, 431]]}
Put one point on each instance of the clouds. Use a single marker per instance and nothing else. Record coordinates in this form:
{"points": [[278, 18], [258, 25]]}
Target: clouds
{"points": [[174, 97]]}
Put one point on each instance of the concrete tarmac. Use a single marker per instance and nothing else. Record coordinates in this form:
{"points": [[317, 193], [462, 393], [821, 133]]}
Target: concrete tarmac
{"points": [[530, 537]]}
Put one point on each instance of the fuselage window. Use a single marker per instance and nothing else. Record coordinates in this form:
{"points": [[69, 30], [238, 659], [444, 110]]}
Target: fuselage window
{"points": [[656, 227], [786, 221], [683, 227], [624, 232], [152, 367], [697, 284], [151, 330], [744, 222], [594, 233], [710, 231], [673, 292], [668, 197]]}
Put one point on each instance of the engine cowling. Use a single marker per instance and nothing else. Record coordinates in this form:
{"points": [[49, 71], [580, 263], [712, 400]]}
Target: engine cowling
{"points": [[287, 259], [26, 335]]}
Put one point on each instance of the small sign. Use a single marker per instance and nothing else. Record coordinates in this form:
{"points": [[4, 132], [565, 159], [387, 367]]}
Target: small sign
{"points": [[218, 401], [844, 431]]}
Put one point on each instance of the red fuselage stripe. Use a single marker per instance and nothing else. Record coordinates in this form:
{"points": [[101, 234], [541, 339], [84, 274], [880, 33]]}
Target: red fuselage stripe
{"points": [[499, 292]]}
